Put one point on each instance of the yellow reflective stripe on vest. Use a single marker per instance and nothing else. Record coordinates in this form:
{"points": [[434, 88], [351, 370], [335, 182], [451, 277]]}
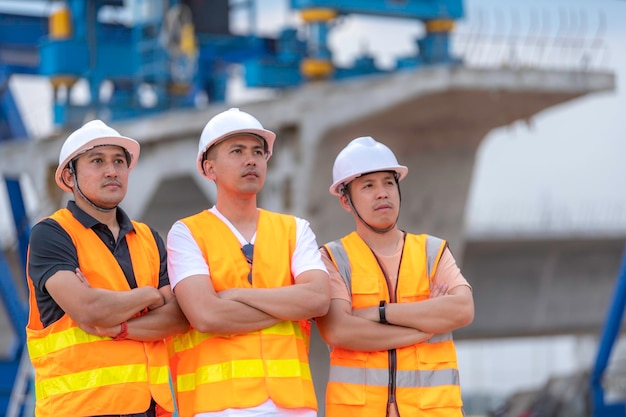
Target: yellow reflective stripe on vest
{"points": [[159, 374], [253, 368], [193, 337], [61, 340], [91, 379], [404, 379]]}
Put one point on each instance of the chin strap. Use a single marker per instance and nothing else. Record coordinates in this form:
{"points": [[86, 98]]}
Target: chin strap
{"points": [[346, 192], [83, 196]]}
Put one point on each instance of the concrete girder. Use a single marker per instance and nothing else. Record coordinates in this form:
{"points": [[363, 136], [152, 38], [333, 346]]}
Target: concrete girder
{"points": [[434, 119]]}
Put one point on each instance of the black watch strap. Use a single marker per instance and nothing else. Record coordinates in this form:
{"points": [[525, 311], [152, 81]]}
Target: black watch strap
{"points": [[381, 312]]}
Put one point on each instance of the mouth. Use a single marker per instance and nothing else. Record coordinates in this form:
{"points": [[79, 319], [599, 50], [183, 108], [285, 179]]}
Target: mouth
{"points": [[383, 207], [250, 173]]}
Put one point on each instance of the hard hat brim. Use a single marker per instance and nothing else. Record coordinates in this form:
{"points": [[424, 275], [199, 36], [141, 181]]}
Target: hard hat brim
{"points": [[267, 135]]}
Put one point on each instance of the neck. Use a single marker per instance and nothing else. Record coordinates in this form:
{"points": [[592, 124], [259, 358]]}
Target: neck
{"points": [[383, 243], [241, 212], [108, 218]]}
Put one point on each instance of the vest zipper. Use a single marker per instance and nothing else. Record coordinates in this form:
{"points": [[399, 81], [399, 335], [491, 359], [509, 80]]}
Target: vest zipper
{"points": [[391, 353], [392, 377]]}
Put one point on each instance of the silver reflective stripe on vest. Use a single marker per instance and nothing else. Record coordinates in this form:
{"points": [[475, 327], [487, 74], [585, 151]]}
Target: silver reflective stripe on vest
{"points": [[433, 244], [343, 263], [441, 337], [404, 379]]}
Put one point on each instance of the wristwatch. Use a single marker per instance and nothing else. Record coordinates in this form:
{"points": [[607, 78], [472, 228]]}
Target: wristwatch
{"points": [[381, 312]]}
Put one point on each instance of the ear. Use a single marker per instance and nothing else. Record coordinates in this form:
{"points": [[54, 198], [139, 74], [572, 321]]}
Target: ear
{"points": [[343, 199], [209, 169], [67, 178]]}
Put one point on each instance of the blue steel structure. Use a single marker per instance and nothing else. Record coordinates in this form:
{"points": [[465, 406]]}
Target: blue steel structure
{"points": [[612, 326]]}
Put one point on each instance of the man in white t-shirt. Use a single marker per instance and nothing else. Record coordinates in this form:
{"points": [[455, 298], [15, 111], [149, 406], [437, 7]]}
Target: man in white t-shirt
{"points": [[249, 281], [395, 299]]}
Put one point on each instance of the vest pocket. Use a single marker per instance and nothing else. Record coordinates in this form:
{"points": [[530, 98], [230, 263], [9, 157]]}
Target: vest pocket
{"points": [[439, 376], [346, 382]]}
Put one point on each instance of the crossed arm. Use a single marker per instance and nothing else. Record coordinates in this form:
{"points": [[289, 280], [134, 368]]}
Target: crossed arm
{"points": [[240, 310], [341, 328], [152, 314], [445, 312], [359, 329]]}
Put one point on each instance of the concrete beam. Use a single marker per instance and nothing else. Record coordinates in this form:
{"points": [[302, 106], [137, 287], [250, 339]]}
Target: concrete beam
{"points": [[536, 287]]}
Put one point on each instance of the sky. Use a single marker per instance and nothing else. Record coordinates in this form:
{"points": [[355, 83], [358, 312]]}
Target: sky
{"points": [[563, 171]]}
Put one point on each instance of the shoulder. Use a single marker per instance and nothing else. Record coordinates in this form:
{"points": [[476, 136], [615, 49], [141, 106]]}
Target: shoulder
{"points": [[47, 231], [431, 242]]}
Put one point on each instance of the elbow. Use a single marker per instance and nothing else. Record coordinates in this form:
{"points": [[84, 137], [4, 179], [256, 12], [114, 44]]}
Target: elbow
{"points": [[207, 325], [319, 305], [181, 327], [336, 336], [95, 314], [332, 338], [467, 316]]}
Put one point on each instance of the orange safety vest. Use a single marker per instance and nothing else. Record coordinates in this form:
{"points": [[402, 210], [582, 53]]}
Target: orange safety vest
{"points": [[79, 374], [220, 371], [422, 379]]}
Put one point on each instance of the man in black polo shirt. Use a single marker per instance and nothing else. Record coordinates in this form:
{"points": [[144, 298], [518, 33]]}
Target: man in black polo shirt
{"points": [[100, 299]]}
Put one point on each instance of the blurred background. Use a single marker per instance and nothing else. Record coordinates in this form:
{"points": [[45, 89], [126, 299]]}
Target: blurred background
{"points": [[509, 115]]}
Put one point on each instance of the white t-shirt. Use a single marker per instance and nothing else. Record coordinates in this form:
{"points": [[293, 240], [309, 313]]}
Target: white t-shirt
{"points": [[185, 259]]}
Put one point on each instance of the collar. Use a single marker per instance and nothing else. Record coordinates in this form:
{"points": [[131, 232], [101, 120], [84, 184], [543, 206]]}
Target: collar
{"points": [[89, 222]]}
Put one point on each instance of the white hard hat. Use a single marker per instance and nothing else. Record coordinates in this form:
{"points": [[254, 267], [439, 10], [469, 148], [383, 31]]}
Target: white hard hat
{"points": [[92, 134], [229, 123], [362, 156]]}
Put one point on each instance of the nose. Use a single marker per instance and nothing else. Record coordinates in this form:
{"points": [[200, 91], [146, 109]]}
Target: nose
{"points": [[250, 159], [381, 192], [110, 169]]}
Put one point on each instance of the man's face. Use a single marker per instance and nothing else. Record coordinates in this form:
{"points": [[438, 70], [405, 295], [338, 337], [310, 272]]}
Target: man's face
{"points": [[102, 174], [376, 197], [238, 163]]}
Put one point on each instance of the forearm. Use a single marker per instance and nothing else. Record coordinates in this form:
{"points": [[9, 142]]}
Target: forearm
{"points": [[359, 334], [109, 308], [158, 324], [436, 315], [294, 302], [232, 317]]}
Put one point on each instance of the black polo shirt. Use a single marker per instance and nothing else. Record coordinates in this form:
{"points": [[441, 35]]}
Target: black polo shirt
{"points": [[51, 250]]}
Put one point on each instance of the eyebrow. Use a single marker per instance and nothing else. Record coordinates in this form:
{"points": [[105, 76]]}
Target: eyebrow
{"points": [[237, 145], [370, 179], [99, 152]]}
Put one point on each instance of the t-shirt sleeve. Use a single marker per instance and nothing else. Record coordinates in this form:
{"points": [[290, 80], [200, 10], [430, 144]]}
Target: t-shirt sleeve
{"points": [[448, 272], [306, 255], [50, 250], [338, 288], [184, 257]]}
